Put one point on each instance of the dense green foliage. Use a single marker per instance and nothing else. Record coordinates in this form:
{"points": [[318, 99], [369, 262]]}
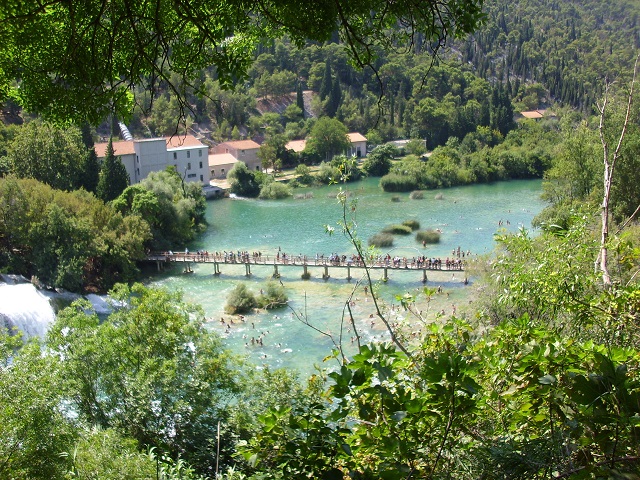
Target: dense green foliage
{"points": [[540, 380], [240, 300], [33, 430], [57, 157], [273, 190], [524, 153], [272, 296], [67, 240], [327, 138], [563, 55], [242, 181], [378, 161], [150, 371], [174, 209], [86, 57]]}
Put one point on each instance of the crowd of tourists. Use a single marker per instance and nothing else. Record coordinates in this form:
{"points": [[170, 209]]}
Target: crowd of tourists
{"points": [[455, 262]]}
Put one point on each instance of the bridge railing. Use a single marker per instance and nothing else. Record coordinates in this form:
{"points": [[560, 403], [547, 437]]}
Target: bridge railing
{"points": [[422, 263]]}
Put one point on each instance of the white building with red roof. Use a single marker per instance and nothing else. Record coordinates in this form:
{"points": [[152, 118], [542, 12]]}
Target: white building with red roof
{"points": [[358, 146], [141, 157]]}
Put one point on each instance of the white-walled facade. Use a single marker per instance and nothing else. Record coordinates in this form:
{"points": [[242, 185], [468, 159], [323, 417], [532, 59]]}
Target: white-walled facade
{"points": [[141, 157]]}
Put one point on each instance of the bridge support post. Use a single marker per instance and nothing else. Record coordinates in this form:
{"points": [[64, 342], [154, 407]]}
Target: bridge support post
{"points": [[348, 272], [424, 276], [305, 273], [385, 276], [216, 268], [325, 275], [247, 267], [275, 271], [158, 265]]}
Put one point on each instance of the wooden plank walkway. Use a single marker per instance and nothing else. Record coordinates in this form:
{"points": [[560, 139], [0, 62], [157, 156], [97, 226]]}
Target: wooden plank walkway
{"points": [[343, 262]]}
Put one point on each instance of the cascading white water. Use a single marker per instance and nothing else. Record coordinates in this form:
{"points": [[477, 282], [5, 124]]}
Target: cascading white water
{"points": [[25, 307]]}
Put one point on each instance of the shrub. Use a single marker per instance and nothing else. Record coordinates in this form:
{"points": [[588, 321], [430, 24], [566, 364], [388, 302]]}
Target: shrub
{"points": [[274, 191], [240, 300], [397, 229], [328, 174], [416, 195], [303, 173], [412, 224], [381, 240], [394, 182], [428, 236], [272, 296]]}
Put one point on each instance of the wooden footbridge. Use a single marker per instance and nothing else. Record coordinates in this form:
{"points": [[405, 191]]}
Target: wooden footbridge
{"points": [[334, 262]]}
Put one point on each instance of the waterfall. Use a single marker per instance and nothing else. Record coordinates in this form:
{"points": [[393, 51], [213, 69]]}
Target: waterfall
{"points": [[25, 307]]}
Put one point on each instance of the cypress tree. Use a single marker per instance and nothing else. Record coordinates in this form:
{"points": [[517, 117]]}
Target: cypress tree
{"points": [[90, 169], [300, 98], [325, 85], [113, 176], [335, 96]]}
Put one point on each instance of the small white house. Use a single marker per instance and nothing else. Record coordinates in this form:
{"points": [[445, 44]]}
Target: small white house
{"points": [[358, 146]]}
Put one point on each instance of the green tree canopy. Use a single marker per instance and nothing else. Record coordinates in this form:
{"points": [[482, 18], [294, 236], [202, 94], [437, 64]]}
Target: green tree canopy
{"points": [[243, 181], [35, 438], [81, 60], [69, 240], [328, 137], [174, 209], [57, 157], [378, 162], [151, 371]]}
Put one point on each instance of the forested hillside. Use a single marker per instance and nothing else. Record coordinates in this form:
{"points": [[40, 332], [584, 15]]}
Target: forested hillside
{"points": [[528, 55], [568, 47]]}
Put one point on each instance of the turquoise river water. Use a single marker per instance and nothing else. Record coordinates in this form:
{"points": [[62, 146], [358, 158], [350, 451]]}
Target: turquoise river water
{"points": [[467, 216]]}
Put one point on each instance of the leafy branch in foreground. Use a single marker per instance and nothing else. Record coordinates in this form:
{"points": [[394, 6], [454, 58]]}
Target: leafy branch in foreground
{"points": [[77, 61]]}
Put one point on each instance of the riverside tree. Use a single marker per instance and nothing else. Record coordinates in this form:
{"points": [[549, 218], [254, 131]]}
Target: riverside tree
{"points": [[174, 209], [51, 155], [328, 137], [67, 239]]}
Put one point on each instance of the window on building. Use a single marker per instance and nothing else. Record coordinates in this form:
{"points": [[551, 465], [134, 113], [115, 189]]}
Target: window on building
{"points": [[223, 171], [175, 155], [199, 153], [137, 159], [201, 178], [213, 173], [189, 166], [188, 154], [192, 175], [200, 164]]}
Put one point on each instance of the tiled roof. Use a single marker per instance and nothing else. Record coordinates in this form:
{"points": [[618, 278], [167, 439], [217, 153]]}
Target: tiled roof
{"points": [[241, 144], [122, 147], [221, 159], [181, 141], [296, 145], [356, 137], [533, 114]]}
